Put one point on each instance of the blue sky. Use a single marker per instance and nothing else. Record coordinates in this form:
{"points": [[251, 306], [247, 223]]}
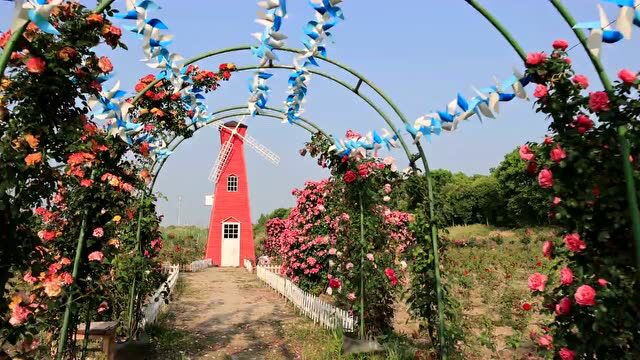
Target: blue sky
{"points": [[420, 52]]}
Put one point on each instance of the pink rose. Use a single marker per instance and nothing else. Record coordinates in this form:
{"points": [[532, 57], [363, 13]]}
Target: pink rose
{"points": [[556, 201], [546, 341], [86, 182], [599, 101], [566, 276], [563, 307], [370, 256], [98, 232], [18, 315], [537, 281], [35, 65], [351, 297], [349, 266], [311, 261], [525, 153], [548, 140], [28, 277], [540, 91], [547, 249], [574, 243], [545, 179], [585, 295], [332, 251], [628, 77], [536, 58], [566, 354], [96, 256], [387, 189], [603, 282], [561, 44], [583, 123], [105, 64], [581, 80], [66, 278], [557, 154], [104, 306]]}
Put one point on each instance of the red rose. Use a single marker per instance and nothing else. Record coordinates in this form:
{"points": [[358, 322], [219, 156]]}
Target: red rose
{"points": [[541, 91], [557, 154], [547, 249], [391, 275], [139, 87], [537, 281], [175, 96], [334, 283], [583, 123], [35, 65], [532, 167], [536, 58], [585, 296], [526, 306], [349, 177], [567, 60], [105, 65], [581, 80], [545, 179], [566, 276], [226, 75], [599, 101], [4, 39], [148, 79], [563, 307], [574, 243], [561, 44], [628, 77], [566, 354], [525, 153]]}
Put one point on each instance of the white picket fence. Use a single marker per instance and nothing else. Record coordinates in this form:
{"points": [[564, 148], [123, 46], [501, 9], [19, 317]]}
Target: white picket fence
{"points": [[151, 310], [197, 265], [154, 303], [248, 265], [317, 310]]}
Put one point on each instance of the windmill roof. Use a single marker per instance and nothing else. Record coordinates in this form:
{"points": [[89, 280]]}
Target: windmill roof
{"points": [[233, 124]]}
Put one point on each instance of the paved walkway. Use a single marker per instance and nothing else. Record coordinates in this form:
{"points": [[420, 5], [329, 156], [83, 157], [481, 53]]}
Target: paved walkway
{"points": [[232, 315]]}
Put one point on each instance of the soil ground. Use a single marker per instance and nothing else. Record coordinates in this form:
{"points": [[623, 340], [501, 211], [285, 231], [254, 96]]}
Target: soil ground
{"points": [[230, 314]]}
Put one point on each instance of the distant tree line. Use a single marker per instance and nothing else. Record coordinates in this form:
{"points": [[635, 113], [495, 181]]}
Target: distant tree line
{"points": [[508, 196]]}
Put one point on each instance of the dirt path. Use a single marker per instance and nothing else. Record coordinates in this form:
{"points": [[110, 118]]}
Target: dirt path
{"points": [[231, 314]]}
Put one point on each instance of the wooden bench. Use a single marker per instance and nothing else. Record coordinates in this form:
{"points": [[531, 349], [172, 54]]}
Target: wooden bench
{"points": [[103, 330]]}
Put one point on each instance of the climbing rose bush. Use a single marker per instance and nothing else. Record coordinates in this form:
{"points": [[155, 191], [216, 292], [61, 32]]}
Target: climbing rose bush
{"points": [[593, 290]]}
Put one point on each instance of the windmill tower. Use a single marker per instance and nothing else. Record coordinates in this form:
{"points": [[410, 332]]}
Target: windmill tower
{"points": [[230, 238]]}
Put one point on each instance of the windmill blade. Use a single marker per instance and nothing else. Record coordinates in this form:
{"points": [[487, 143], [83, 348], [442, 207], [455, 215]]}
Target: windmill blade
{"points": [[221, 161], [262, 150]]}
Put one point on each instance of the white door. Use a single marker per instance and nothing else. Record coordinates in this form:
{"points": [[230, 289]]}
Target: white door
{"points": [[230, 244]]}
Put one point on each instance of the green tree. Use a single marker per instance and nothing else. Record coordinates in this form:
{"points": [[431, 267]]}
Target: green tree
{"points": [[525, 202]]}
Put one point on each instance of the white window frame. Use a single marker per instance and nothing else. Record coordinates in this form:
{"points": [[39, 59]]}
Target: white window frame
{"points": [[230, 223], [231, 188]]}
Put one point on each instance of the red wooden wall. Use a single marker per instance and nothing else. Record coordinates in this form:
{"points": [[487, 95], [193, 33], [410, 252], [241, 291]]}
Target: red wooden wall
{"points": [[231, 204]]}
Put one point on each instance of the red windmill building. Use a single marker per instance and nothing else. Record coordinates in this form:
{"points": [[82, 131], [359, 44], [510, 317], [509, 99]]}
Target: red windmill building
{"points": [[230, 229]]}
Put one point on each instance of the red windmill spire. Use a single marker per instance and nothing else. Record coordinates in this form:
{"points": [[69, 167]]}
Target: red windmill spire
{"points": [[230, 238]]}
